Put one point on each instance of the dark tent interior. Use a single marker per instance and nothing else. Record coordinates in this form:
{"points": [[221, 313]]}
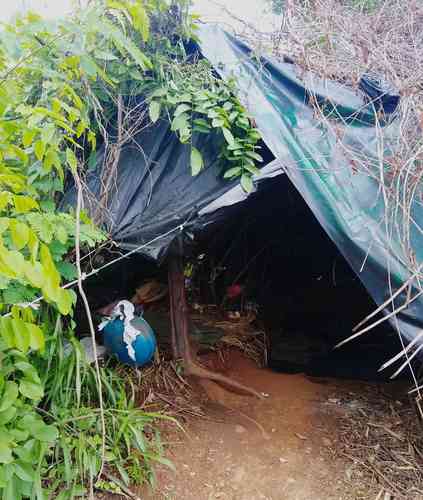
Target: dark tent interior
{"points": [[308, 298]]}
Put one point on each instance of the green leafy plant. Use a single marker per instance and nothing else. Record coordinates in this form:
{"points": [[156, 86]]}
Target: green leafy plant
{"points": [[26, 437], [71, 405], [51, 78], [197, 102], [61, 83]]}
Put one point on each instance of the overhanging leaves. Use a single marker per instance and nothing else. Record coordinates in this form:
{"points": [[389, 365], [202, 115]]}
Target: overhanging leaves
{"points": [[196, 161]]}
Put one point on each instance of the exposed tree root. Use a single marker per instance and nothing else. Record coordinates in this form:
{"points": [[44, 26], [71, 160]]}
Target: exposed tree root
{"points": [[181, 346], [195, 370]]}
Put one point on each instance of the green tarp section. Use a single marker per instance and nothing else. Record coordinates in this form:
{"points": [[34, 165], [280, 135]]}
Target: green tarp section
{"points": [[346, 201]]}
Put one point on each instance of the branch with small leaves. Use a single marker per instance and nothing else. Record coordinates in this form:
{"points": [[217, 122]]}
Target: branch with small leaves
{"points": [[197, 102]]}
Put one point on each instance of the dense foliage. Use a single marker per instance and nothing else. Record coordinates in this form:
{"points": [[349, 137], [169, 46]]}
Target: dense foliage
{"points": [[60, 82]]}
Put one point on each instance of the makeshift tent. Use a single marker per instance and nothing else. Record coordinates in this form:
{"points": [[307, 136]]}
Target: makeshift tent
{"points": [[154, 196]]}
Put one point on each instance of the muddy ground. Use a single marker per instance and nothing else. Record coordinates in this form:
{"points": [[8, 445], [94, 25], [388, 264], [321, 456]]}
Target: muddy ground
{"points": [[289, 446]]}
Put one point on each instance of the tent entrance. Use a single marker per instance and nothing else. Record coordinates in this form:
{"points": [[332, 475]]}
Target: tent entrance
{"points": [[308, 297]]}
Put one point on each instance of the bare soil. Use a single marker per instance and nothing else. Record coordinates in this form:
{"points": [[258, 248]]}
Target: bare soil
{"points": [[285, 447]]}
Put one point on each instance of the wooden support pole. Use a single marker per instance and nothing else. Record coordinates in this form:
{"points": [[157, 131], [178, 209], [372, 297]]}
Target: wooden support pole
{"points": [[178, 308], [181, 347]]}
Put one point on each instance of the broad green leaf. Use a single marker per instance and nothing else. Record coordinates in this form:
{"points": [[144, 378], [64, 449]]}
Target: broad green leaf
{"points": [[254, 134], [140, 20], [28, 451], [4, 224], [19, 434], [184, 98], [89, 66], [185, 134], [51, 272], [252, 169], [92, 140], [47, 133], [50, 289], [34, 273], [24, 471], [200, 129], [33, 244], [202, 123], [232, 172], [6, 435], [21, 334], [254, 156], [13, 490], [180, 122], [51, 159], [159, 93], [56, 105], [6, 332], [28, 370], [36, 337], [71, 159], [6, 474], [67, 270], [9, 396], [247, 183], [29, 421], [7, 415], [24, 204], [243, 122], [43, 432], [39, 149], [126, 45], [28, 137], [196, 161], [64, 301], [61, 234], [5, 199], [217, 122], [13, 261], [6, 457], [154, 111], [6, 271], [31, 390], [42, 225], [182, 108], [228, 135], [20, 233], [17, 152]]}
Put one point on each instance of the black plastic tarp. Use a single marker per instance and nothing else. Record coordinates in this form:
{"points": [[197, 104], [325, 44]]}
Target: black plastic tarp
{"points": [[154, 192], [154, 196]]}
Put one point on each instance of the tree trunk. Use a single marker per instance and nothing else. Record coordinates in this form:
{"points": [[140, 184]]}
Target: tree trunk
{"points": [[179, 315]]}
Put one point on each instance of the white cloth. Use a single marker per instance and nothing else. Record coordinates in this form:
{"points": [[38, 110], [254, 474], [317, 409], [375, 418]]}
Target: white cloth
{"points": [[124, 311]]}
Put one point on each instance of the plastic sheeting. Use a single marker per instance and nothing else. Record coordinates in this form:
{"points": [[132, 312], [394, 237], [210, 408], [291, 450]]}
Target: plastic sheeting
{"points": [[154, 193], [347, 203]]}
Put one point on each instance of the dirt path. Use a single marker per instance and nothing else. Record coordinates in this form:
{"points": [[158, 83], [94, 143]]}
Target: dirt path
{"points": [[281, 448]]}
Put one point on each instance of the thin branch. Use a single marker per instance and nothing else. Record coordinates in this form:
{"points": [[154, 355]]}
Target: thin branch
{"points": [[90, 319]]}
